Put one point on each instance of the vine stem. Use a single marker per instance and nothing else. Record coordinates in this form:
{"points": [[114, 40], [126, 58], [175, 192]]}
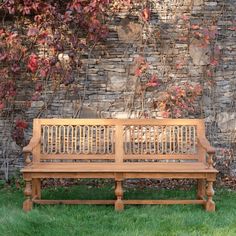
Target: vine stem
{"points": [[78, 112]]}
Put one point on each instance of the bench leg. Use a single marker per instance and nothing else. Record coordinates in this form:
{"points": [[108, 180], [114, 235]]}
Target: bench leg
{"points": [[201, 188], [36, 188], [210, 204], [28, 204], [119, 205]]}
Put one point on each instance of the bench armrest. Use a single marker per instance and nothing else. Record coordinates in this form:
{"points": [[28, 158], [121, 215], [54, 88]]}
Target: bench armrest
{"points": [[204, 143], [32, 144], [27, 150]]}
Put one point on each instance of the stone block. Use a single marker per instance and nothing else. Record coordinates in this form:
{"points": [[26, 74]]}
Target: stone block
{"points": [[116, 82], [88, 112], [129, 32], [227, 121], [199, 54], [37, 104], [197, 2]]}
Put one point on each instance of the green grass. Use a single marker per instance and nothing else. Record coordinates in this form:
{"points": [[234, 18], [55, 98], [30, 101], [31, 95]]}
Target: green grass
{"points": [[89, 220]]}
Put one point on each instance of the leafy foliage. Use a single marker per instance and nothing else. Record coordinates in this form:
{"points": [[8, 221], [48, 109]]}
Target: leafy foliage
{"points": [[178, 101], [46, 40], [18, 131], [42, 31]]}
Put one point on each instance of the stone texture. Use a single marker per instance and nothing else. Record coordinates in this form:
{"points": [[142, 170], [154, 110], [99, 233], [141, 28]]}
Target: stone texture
{"points": [[200, 55], [129, 32], [198, 2], [116, 82], [227, 121], [87, 112]]}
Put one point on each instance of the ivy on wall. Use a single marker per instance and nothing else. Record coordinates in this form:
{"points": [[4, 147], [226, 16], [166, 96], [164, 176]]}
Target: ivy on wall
{"points": [[46, 41]]}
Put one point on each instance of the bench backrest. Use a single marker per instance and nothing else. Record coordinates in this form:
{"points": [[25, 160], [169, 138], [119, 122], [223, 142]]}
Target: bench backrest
{"points": [[118, 140]]}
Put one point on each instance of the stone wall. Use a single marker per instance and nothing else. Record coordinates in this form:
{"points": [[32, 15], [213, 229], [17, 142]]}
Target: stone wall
{"points": [[107, 87]]}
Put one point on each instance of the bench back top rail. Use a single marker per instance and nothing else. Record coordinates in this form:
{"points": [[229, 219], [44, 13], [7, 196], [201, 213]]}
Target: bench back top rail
{"points": [[117, 139]]}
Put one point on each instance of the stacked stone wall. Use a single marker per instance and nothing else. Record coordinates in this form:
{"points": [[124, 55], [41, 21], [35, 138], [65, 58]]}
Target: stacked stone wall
{"points": [[107, 87]]}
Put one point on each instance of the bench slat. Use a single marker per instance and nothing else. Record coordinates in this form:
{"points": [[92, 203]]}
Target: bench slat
{"points": [[160, 157], [176, 157], [111, 122], [119, 167], [130, 202], [78, 157]]}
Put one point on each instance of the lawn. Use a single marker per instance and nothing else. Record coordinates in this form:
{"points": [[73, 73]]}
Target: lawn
{"points": [[89, 220]]}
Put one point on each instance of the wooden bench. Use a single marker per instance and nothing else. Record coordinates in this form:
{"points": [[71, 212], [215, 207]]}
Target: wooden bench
{"points": [[119, 149]]}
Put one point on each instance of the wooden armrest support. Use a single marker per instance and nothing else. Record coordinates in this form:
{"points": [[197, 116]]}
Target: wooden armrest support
{"points": [[204, 143], [32, 144], [29, 148]]}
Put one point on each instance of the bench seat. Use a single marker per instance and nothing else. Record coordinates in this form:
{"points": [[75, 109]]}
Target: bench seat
{"points": [[153, 167]]}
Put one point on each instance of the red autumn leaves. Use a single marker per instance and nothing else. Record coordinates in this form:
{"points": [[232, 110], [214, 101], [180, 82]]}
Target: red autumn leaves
{"points": [[7, 92], [178, 100], [32, 63], [18, 131], [35, 63], [21, 124], [141, 67], [87, 16], [146, 14], [153, 82]]}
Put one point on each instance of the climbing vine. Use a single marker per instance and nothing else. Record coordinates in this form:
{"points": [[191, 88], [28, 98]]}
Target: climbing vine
{"points": [[48, 40], [42, 42]]}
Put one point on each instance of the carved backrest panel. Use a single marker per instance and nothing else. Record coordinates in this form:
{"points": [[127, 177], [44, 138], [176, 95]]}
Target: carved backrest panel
{"points": [[118, 140], [160, 139], [77, 139]]}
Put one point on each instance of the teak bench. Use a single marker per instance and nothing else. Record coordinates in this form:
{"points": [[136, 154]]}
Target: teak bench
{"points": [[119, 149]]}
